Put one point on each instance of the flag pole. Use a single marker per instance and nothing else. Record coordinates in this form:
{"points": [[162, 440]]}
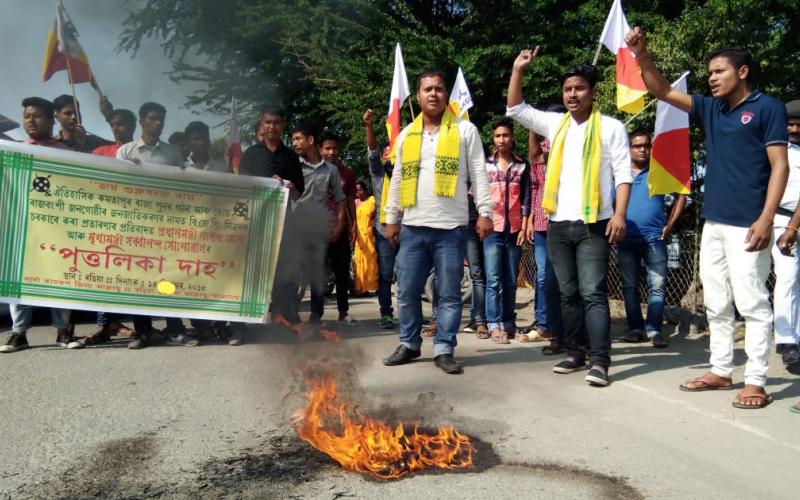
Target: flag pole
{"points": [[597, 53], [652, 101], [410, 107], [74, 96]]}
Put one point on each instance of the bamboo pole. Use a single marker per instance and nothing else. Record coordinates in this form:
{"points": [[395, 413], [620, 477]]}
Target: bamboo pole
{"points": [[652, 101], [597, 53], [74, 96]]}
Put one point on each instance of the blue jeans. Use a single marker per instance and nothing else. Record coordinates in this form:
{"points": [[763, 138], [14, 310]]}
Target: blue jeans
{"points": [[548, 304], [420, 249], [477, 306], [21, 317], [386, 258], [630, 253], [579, 253], [502, 255]]}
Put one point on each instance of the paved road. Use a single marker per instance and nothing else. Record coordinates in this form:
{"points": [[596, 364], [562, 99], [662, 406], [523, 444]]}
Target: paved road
{"points": [[215, 420]]}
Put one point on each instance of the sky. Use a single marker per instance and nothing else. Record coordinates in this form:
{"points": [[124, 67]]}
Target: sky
{"points": [[127, 82]]}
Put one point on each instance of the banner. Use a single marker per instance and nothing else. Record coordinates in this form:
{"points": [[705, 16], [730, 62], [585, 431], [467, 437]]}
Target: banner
{"points": [[86, 232]]}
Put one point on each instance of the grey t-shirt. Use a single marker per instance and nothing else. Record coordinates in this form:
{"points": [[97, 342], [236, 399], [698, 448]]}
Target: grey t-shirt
{"points": [[315, 210]]}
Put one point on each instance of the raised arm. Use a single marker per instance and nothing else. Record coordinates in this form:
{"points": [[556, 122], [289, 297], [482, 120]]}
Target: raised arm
{"points": [[369, 131], [655, 81], [523, 60]]}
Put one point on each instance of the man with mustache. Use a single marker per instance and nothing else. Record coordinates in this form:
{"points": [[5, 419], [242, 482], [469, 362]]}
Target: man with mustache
{"points": [[72, 134], [588, 156], [746, 173], [437, 156]]}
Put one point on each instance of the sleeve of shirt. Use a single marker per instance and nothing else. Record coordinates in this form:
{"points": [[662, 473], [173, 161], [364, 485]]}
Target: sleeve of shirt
{"points": [[700, 104], [349, 184], [248, 166], [122, 152], [530, 118], [335, 186], [620, 155], [374, 161], [476, 166], [775, 120], [295, 175], [393, 209], [525, 190]]}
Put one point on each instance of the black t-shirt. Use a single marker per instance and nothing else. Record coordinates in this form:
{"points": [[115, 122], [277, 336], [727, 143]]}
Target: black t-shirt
{"points": [[259, 161], [91, 143]]}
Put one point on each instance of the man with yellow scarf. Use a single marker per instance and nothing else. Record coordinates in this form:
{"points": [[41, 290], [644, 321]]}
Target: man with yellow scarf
{"points": [[589, 155], [436, 156]]}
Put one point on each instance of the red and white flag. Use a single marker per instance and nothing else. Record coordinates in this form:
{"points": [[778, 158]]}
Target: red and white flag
{"points": [[400, 93], [64, 51], [234, 140], [669, 160], [630, 86]]}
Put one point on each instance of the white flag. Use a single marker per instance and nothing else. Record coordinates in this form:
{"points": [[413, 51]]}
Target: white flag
{"points": [[460, 98]]}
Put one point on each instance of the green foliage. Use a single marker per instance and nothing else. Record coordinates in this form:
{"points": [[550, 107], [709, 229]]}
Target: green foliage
{"points": [[329, 60]]}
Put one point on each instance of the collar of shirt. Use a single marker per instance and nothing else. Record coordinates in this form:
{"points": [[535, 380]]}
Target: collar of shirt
{"points": [[140, 144], [515, 159], [754, 95], [312, 165], [51, 142]]}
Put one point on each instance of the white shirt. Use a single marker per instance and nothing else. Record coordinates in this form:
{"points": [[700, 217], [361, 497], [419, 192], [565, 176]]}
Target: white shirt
{"points": [[160, 153], [792, 192], [615, 163], [441, 212]]}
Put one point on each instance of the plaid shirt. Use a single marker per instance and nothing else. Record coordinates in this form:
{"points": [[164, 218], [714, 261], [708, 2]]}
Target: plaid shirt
{"points": [[537, 190]]}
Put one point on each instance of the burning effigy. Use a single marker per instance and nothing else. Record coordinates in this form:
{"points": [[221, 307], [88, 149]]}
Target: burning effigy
{"points": [[374, 447]]}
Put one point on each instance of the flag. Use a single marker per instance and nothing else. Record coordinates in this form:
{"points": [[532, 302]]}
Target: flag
{"points": [[63, 46], [234, 141], [669, 159], [630, 86], [460, 98], [398, 96]]}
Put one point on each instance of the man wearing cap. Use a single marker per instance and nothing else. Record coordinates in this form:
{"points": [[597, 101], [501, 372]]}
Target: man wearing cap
{"points": [[786, 260], [746, 172], [588, 155]]}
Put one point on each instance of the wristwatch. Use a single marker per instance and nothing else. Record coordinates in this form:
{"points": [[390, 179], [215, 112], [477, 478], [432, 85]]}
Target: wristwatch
{"points": [[487, 214]]}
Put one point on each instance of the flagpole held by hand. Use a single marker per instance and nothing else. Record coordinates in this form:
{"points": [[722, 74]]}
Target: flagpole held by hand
{"points": [[74, 96], [652, 101]]}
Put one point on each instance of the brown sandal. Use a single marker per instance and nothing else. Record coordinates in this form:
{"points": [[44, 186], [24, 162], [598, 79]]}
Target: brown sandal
{"points": [[499, 337], [763, 400], [700, 384]]}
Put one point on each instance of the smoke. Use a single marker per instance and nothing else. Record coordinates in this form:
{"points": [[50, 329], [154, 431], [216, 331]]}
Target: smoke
{"points": [[127, 82]]}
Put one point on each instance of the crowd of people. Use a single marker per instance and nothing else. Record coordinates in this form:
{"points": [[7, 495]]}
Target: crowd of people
{"points": [[439, 199]]}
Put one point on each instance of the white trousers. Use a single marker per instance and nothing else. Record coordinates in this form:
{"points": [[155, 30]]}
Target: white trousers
{"points": [[786, 300], [729, 274]]}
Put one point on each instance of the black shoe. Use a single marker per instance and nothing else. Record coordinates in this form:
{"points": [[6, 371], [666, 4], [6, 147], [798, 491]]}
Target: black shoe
{"points": [[597, 376], [659, 340], [16, 342], [65, 338], [315, 319], [634, 337], [401, 356], [139, 341], [569, 364], [448, 364], [790, 355]]}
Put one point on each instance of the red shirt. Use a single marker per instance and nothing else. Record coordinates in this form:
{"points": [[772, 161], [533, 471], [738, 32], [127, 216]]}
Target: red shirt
{"points": [[348, 181], [109, 150]]}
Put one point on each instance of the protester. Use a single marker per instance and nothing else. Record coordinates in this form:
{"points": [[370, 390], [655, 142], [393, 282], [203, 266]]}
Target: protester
{"points": [[746, 172], [380, 169], [72, 134], [150, 149], [365, 258], [123, 125], [646, 235], [547, 303], [338, 254], [437, 155], [318, 216], [199, 140], [588, 156], [477, 277], [37, 120], [509, 182], [271, 158], [785, 258], [179, 141]]}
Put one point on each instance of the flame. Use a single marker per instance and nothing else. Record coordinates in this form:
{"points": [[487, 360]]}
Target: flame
{"points": [[362, 444]]}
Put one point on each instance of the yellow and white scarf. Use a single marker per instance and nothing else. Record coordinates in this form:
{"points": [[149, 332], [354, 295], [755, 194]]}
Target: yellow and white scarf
{"points": [[592, 154]]}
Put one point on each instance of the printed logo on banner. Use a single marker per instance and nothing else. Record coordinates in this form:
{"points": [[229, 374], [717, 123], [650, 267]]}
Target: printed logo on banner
{"points": [[747, 117]]}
